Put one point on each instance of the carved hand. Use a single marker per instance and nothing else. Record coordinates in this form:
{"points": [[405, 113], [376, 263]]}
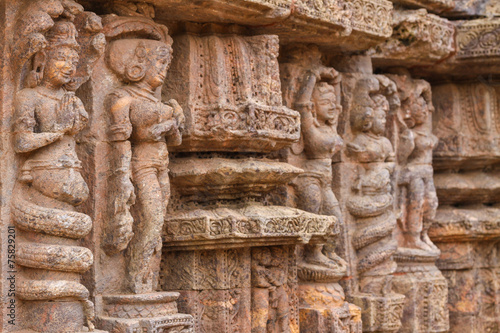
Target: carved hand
{"points": [[178, 113], [306, 90], [159, 130]]}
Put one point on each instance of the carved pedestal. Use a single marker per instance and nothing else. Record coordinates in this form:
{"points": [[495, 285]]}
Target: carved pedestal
{"points": [[323, 309], [426, 291], [155, 312], [380, 313]]}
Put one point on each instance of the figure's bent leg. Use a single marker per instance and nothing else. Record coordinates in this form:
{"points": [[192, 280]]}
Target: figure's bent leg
{"points": [[430, 208], [414, 226]]}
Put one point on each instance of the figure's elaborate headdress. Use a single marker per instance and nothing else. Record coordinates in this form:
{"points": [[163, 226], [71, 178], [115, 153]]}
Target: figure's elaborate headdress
{"points": [[131, 40], [63, 33]]}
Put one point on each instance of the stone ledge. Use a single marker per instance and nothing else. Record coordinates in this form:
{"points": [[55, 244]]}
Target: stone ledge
{"points": [[418, 38]]}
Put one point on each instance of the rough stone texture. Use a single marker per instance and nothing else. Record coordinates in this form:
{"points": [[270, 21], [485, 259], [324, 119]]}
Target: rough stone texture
{"points": [[278, 166], [466, 227], [418, 38]]}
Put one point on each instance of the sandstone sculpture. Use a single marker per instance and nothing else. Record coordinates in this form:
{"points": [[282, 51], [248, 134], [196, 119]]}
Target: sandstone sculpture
{"points": [[139, 117], [47, 117]]}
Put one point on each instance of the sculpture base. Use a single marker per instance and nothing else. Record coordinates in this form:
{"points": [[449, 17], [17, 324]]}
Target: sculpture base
{"points": [[381, 314], [426, 293], [45, 316], [149, 313], [323, 309]]}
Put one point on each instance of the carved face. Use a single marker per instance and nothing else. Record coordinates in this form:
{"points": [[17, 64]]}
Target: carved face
{"points": [[379, 121], [158, 66], [379, 115], [325, 101], [419, 111], [60, 65]]}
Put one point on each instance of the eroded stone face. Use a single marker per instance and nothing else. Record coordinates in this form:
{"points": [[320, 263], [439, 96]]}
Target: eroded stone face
{"points": [[250, 166]]}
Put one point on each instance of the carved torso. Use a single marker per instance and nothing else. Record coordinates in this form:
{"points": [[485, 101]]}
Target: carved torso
{"points": [[146, 112], [369, 148], [321, 142], [42, 111], [424, 144]]}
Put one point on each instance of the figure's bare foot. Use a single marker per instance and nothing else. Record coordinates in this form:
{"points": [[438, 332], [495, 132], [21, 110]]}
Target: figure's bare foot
{"points": [[315, 256], [428, 241], [414, 242]]}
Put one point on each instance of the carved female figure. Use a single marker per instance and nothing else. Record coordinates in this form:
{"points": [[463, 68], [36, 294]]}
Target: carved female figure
{"points": [[47, 117], [371, 202], [141, 128], [319, 109], [418, 199]]}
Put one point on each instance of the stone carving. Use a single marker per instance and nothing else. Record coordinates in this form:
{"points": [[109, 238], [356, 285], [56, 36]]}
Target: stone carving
{"points": [[240, 98], [372, 17], [141, 128], [47, 117], [417, 194], [313, 90], [371, 202], [250, 187], [417, 204], [478, 38], [465, 228], [417, 37], [366, 192], [308, 88], [270, 312]]}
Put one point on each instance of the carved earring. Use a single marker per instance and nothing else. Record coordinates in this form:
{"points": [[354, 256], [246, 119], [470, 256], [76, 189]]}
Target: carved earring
{"points": [[136, 72], [36, 74]]}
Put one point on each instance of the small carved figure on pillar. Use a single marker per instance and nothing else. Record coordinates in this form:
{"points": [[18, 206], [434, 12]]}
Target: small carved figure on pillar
{"points": [[310, 89], [371, 202], [417, 200], [270, 308], [141, 128]]}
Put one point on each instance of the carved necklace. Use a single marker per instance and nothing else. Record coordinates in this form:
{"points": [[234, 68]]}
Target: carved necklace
{"points": [[49, 94]]}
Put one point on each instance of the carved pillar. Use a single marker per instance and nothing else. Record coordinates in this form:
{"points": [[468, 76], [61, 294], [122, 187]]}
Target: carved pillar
{"points": [[417, 276], [229, 247], [126, 154], [54, 49], [467, 227], [363, 180]]}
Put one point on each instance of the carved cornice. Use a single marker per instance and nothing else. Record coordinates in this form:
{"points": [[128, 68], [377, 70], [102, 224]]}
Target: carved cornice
{"points": [[257, 225], [372, 17], [478, 39], [435, 6], [418, 38], [458, 225]]}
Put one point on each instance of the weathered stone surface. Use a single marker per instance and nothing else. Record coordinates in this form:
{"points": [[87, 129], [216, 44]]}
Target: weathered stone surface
{"points": [[476, 53], [466, 228], [418, 38]]}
